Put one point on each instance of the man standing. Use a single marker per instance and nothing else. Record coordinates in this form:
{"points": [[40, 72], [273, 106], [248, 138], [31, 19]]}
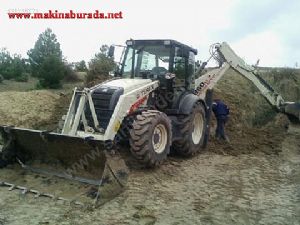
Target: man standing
{"points": [[221, 112]]}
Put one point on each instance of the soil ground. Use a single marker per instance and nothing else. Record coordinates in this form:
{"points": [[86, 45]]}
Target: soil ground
{"points": [[255, 179], [207, 189]]}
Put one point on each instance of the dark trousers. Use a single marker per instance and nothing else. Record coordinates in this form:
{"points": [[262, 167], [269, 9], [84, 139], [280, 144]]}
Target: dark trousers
{"points": [[220, 131]]}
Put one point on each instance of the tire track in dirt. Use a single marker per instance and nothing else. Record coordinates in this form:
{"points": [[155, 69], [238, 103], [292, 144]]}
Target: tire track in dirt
{"points": [[206, 189]]}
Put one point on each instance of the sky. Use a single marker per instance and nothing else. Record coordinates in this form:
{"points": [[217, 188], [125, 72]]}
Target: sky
{"points": [[268, 30]]}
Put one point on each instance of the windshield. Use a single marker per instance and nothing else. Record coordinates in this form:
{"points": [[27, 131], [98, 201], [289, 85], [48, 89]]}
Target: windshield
{"points": [[149, 61]]}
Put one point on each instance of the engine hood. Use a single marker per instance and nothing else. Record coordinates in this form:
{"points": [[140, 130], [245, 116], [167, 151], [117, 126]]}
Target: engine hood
{"points": [[127, 84]]}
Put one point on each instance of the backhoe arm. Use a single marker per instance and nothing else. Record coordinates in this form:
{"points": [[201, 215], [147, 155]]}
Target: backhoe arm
{"points": [[227, 59]]}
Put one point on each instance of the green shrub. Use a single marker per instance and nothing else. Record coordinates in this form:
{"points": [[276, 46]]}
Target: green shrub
{"points": [[100, 65], [23, 78], [81, 66], [11, 66], [70, 75], [1, 78], [51, 72]]}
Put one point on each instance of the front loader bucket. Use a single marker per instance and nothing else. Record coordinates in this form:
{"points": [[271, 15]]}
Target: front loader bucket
{"points": [[59, 166]]}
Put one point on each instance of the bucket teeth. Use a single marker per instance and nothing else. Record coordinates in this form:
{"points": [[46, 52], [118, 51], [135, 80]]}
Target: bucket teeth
{"points": [[24, 192], [36, 194], [12, 187], [81, 163]]}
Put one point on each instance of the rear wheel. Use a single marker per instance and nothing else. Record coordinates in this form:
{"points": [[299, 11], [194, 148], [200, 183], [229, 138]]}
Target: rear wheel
{"points": [[150, 137], [192, 131]]}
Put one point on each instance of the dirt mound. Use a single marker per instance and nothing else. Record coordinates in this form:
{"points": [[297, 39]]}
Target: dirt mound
{"points": [[285, 81], [97, 80], [34, 109], [254, 126], [207, 188]]}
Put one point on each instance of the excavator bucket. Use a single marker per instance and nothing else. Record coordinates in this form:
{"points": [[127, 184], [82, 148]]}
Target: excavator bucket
{"points": [[61, 167], [293, 111]]}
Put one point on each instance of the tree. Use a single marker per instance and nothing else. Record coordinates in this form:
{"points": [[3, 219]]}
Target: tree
{"points": [[17, 66], [5, 63], [81, 66], [52, 70], [46, 51], [12, 67], [101, 64]]}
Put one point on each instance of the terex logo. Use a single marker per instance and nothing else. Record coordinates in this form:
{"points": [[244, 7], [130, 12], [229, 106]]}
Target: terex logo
{"points": [[204, 84], [145, 91]]}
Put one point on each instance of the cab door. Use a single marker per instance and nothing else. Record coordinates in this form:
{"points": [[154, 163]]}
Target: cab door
{"points": [[183, 68]]}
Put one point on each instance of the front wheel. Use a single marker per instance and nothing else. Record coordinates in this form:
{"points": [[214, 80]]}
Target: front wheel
{"points": [[150, 137], [191, 131]]}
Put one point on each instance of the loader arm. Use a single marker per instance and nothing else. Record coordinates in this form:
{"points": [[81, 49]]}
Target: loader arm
{"points": [[227, 59], [76, 115]]}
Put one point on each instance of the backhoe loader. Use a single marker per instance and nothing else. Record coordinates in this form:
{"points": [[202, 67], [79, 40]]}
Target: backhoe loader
{"points": [[154, 102]]}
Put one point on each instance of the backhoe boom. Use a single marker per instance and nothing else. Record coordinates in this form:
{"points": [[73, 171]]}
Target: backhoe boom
{"points": [[227, 59]]}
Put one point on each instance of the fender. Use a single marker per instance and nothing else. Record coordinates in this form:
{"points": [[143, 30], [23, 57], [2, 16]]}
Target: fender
{"points": [[187, 103]]}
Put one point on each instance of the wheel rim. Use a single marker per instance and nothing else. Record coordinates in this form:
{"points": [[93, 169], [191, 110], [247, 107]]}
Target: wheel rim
{"points": [[198, 128], [159, 138]]}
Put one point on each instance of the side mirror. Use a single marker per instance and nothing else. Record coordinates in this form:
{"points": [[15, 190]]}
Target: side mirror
{"points": [[111, 51]]}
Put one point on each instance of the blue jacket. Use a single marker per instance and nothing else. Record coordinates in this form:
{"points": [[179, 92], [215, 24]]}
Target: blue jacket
{"points": [[220, 109]]}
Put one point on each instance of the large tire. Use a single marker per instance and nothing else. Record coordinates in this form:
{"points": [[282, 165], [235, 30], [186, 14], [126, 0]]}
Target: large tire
{"points": [[191, 129], [150, 137]]}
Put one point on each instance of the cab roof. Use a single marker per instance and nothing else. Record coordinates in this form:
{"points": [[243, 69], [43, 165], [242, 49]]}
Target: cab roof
{"points": [[161, 42]]}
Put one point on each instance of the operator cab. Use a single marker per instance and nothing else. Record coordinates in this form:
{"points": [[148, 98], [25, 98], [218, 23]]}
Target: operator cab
{"points": [[158, 59]]}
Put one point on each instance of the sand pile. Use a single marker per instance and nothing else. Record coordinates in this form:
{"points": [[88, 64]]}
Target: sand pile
{"points": [[285, 81], [253, 125], [33, 109]]}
